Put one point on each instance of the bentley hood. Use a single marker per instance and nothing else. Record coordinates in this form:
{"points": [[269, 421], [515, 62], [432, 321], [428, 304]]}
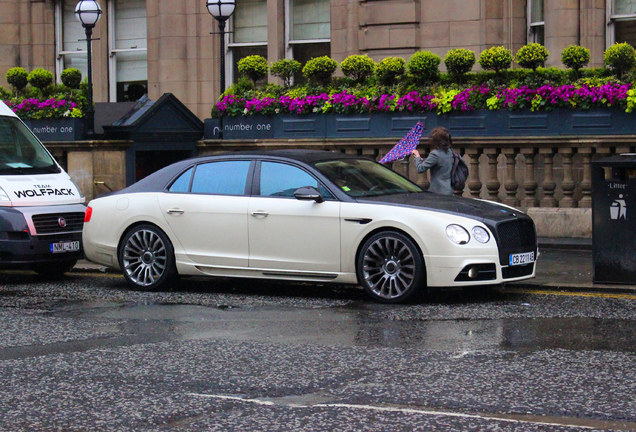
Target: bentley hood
{"points": [[485, 211]]}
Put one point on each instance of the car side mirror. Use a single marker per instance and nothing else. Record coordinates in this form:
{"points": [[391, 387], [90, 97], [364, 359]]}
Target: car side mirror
{"points": [[308, 193]]}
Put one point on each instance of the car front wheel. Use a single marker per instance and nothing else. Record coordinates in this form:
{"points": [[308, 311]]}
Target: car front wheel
{"points": [[147, 258], [390, 267]]}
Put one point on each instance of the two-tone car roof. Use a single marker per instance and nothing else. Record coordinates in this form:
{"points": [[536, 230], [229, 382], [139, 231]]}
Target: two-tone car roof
{"points": [[158, 180]]}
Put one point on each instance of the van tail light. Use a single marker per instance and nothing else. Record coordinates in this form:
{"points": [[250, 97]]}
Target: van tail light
{"points": [[88, 214]]}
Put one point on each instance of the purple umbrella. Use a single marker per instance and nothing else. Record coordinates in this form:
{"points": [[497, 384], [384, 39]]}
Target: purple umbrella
{"points": [[405, 146]]}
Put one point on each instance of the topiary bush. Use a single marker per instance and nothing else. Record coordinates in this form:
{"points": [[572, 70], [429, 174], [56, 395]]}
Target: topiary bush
{"points": [[358, 67], [496, 59], [17, 77], [71, 78], [285, 69], [424, 66], [620, 57], [390, 68], [532, 56], [320, 69], [4, 94], [254, 67], [575, 57], [40, 79], [459, 61]]}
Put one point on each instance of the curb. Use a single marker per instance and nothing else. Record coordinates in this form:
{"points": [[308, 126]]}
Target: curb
{"points": [[565, 243]]}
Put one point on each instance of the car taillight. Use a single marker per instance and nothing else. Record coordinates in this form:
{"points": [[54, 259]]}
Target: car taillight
{"points": [[88, 214]]}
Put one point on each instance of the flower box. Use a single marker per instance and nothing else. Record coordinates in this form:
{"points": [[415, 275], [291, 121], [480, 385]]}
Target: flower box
{"points": [[609, 121], [68, 129], [247, 127]]}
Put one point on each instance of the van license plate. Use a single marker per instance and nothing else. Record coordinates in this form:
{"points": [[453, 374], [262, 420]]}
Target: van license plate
{"points": [[61, 247], [521, 258]]}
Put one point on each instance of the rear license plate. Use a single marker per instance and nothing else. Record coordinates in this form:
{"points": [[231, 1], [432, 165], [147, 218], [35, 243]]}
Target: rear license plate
{"points": [[521, 258], [62, 247]]}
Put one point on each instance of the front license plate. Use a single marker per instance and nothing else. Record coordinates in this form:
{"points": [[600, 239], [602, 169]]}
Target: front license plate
{"points": [[61, 247], [521, 258]]}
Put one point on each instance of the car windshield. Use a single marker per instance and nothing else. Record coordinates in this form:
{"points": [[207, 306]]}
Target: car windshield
{"points": [[21, 152], [365, 178]]}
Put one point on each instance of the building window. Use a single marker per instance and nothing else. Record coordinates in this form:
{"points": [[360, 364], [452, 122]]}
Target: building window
{"points": [[308, 29], [622, 22], [70, 39], [536, 23], [248, 34], [128, 47], [127, 44]]}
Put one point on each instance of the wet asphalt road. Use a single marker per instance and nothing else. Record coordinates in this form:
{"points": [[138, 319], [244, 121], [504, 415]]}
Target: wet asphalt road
{"points": [[88, 354]]}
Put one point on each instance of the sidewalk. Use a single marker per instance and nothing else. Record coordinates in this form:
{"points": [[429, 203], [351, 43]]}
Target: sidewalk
{"points": [[562, 264], [567, 264]]}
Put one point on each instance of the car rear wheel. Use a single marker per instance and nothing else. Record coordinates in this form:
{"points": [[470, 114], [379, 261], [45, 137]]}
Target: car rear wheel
{"points": [[390, 267], [147, 258]]}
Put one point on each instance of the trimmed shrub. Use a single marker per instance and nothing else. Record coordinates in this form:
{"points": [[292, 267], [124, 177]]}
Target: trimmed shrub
{"points": [[459, 61], [71, 78], [17, 77], [424, 66], [4, 94], [40, 79], [532, 56], [390, 68], [358, 67], [575, 57], [320, 69], [620, 57], [496, 59], [254, 67], [285, 69]]}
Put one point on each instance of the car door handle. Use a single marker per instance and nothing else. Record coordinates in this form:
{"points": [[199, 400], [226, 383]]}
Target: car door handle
{"points": [[175, 211], [260, 213]]}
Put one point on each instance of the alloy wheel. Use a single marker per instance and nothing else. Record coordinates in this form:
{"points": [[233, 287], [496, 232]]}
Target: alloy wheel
{"points": [[145, 257], [389, 267]]}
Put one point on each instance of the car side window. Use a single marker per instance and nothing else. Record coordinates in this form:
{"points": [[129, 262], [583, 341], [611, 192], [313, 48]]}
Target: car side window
{"points": [[282, 180], [182, 183], [222, 178]]}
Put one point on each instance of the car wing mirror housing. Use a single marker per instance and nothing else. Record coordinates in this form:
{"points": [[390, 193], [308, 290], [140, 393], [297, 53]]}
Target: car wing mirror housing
{"points": [[308, 193]]}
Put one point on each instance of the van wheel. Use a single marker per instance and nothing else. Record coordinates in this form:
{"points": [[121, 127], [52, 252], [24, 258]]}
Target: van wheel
{"points": [[390, 267], [147, 258], [54, 269]]}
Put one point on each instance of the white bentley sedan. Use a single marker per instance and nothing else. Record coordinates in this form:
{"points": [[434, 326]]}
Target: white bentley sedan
{"points": [[307, 216]]}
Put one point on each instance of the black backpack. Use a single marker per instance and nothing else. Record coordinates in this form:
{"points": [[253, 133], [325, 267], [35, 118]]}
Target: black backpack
{"points": [[459, 172]]}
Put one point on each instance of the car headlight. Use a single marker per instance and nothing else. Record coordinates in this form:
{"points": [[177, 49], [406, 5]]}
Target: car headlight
{"points": [[457, 234], [480, 234]]}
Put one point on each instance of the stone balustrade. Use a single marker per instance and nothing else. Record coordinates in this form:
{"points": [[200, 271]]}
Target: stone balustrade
{"points": [[526, 172]]}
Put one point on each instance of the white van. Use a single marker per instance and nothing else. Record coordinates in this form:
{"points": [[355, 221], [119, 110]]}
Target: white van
{"points": [[41, 207]]}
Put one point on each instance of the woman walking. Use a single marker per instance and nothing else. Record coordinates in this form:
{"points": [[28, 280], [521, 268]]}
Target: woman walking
{"points": [[439, 161]]}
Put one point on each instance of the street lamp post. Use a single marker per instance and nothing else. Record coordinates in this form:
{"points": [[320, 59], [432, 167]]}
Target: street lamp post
{"points": [[87, 13], [221, 10]]}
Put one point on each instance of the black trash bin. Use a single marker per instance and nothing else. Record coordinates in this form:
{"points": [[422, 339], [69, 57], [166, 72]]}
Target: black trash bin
{"points": [[614, 219]]}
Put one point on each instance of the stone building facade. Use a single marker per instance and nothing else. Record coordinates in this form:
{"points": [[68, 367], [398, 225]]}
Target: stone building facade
{"points": [[170, 46]]}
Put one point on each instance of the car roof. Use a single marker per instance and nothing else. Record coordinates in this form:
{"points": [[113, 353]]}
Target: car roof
{"points": [[302, 155], [156, 181]]}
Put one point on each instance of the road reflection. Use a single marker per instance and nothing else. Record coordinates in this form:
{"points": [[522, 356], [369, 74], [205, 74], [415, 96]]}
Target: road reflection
{"points": [[357, 327]]}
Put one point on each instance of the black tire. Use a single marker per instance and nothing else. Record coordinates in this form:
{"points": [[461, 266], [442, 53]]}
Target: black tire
{"points": [[390, 267], [146, 257], [54, 269]]}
